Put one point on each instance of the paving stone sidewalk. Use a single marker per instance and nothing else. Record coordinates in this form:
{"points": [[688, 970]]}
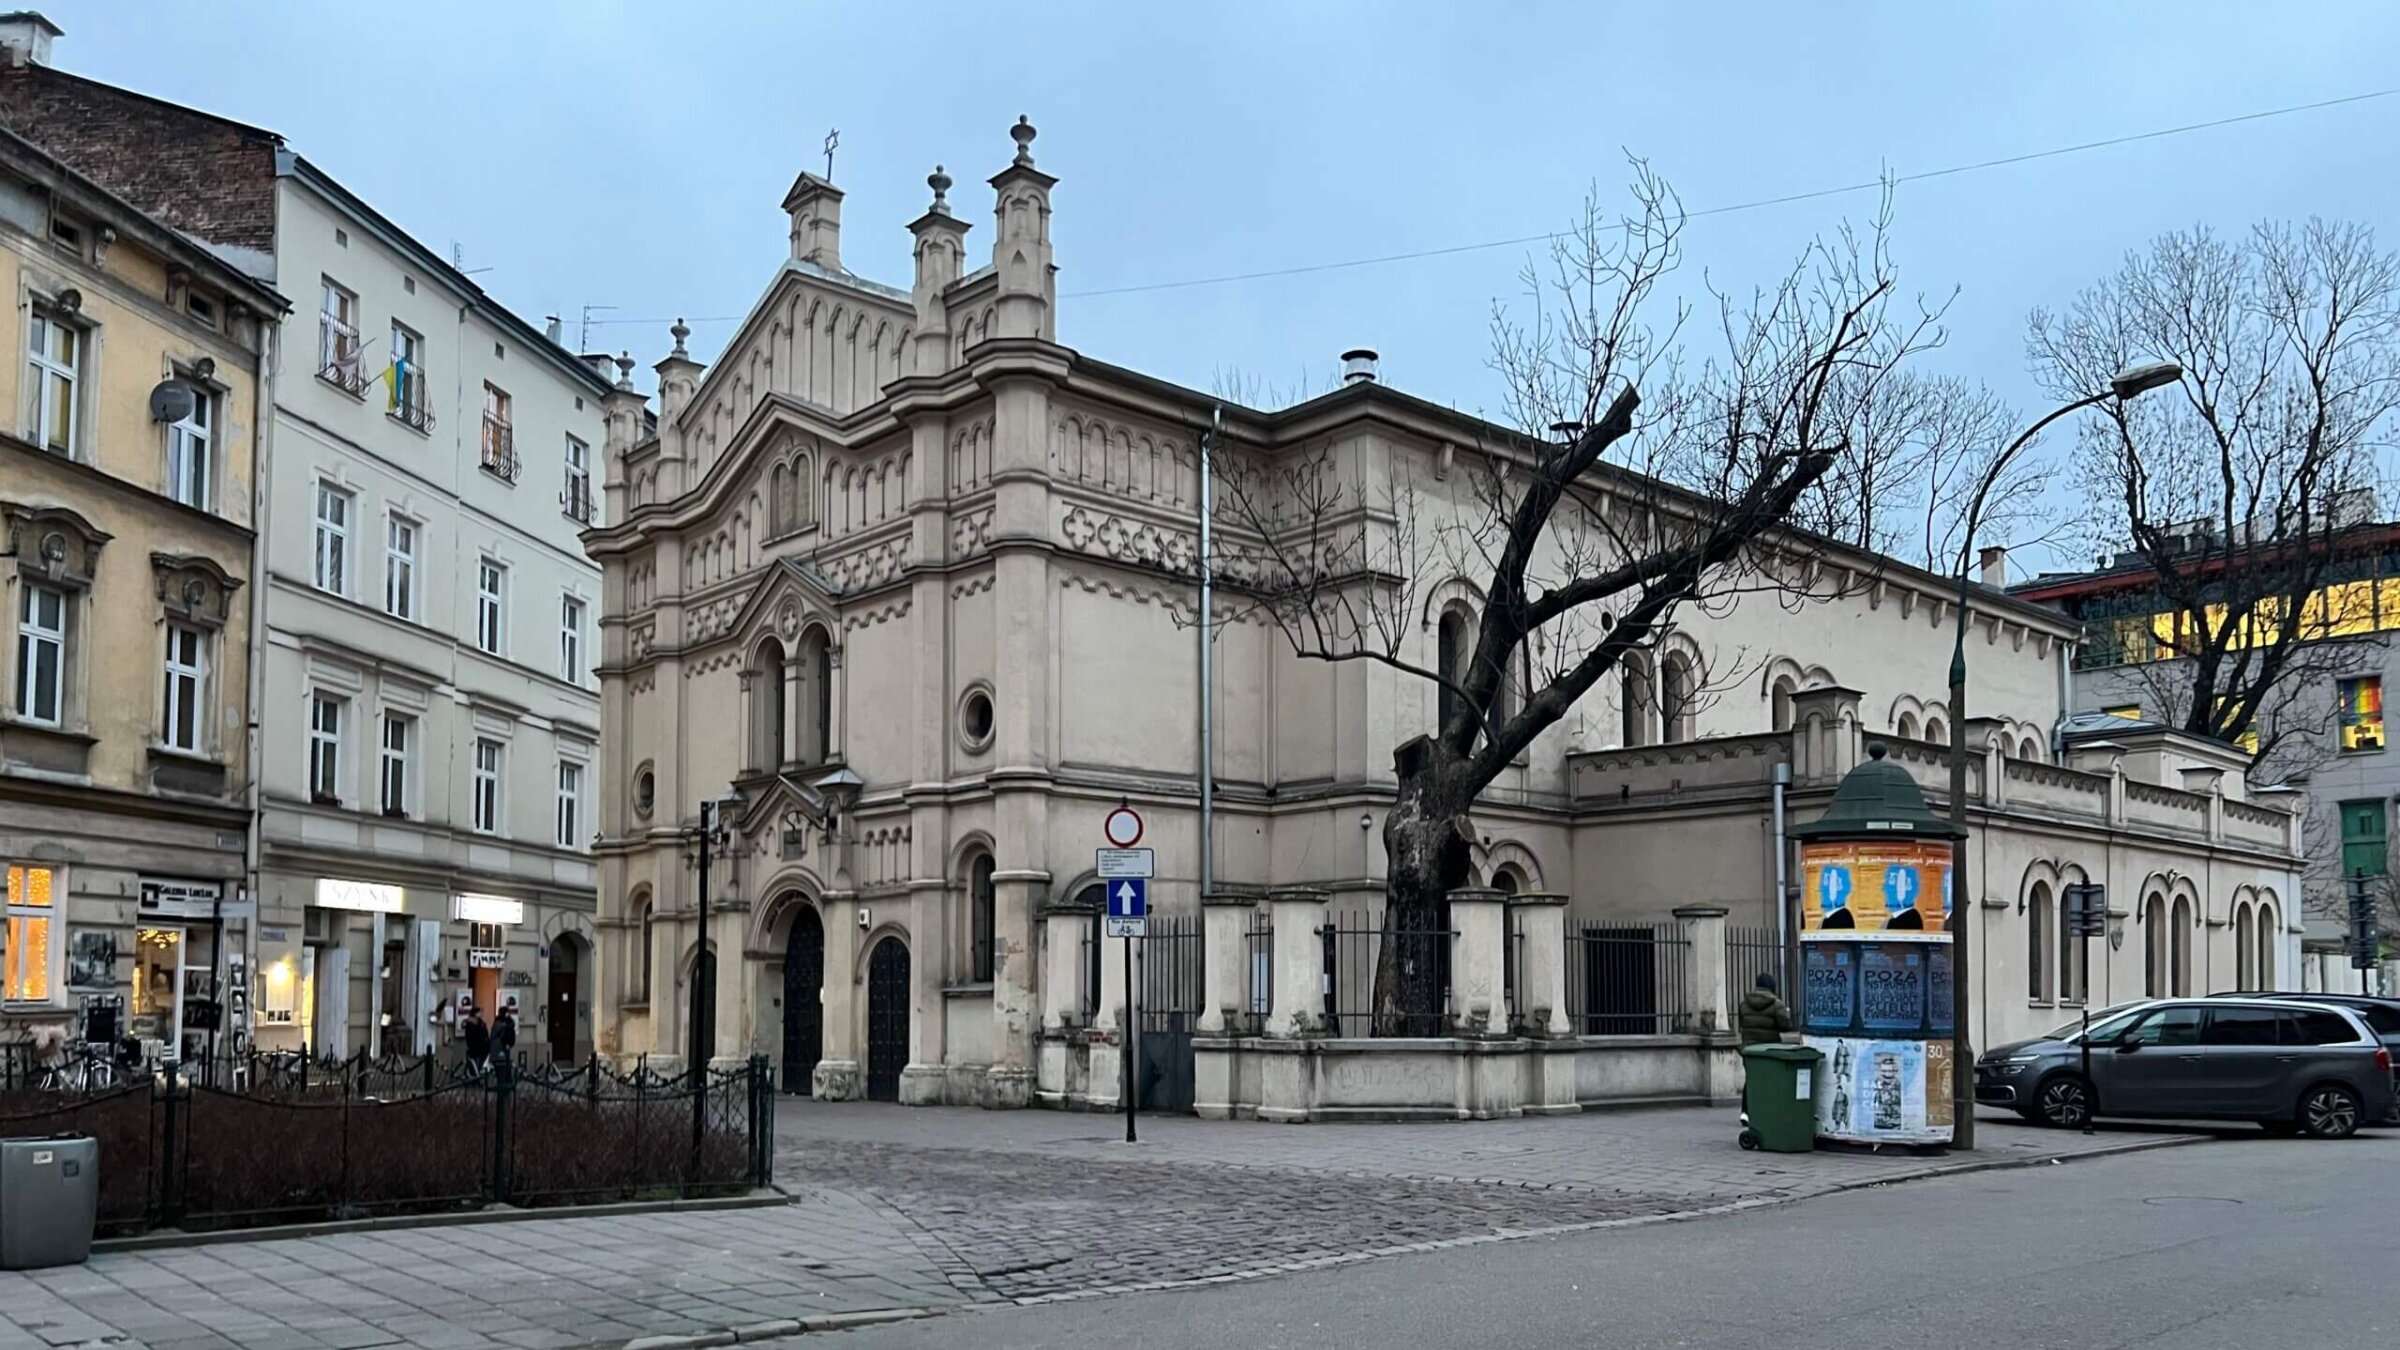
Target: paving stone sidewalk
{"points": [[901, 1208]]}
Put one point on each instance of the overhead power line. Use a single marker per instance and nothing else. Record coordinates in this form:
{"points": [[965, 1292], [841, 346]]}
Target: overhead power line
{"points": [[1871, 184], [1415, 255]]}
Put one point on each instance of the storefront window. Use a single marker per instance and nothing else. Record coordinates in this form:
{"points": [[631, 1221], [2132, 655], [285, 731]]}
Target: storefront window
{"points": [[173, 970], [32, 922]]}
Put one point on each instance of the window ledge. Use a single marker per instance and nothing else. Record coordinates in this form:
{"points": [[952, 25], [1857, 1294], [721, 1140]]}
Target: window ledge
{"points": [[14, 723], [968, 989], [199, 758], [634, 1005], [422, 425]]}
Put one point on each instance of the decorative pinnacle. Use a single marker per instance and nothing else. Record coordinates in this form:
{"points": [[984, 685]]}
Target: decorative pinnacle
{"points": [[940, 183], [1023, 133], [679, 332], [624, 370]]}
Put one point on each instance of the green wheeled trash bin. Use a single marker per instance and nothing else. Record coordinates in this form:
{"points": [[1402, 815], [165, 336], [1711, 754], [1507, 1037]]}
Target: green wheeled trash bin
{"points": [[1779, 1108]]}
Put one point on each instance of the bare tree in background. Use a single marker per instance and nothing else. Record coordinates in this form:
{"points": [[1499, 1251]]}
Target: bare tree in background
{"points": [[1641, 482], [2238, 493]]}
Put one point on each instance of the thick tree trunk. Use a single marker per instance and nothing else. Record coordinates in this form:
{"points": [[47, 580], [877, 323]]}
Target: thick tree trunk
{"points": [[1425, 842]]}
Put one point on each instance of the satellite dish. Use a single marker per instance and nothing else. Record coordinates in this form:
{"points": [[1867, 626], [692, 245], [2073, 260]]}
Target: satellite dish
{"points": [[172, 401]]}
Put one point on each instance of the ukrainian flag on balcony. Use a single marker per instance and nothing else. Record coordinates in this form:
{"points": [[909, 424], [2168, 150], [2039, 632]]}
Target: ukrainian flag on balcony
{"points": [[395, 377]]}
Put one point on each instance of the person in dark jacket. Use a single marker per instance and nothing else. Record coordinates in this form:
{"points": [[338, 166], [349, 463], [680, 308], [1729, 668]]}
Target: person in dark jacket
{"points": [[1764, 1016], [477, 1037], [504, 1031]]}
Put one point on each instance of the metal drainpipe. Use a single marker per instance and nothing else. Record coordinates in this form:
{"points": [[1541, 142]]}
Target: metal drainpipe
{"points": [[1783, 904], [2066, 701], [262, 418], [1208, 664]]}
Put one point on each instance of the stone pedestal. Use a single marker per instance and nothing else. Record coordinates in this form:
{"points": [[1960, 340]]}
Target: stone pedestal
{"points": [[1225, 995], [836, 1080], [1704, 993], [1479, 962], [1299, 999], [1539, 927], [923, 1084], [1007, 1088]]}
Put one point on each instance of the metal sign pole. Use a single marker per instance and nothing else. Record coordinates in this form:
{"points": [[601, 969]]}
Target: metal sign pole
{"points": [[2083, 973], [1133, 1038]]}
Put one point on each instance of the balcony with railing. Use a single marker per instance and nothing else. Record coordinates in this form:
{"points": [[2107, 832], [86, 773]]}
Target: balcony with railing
{"points": [[499, 454], [409, 406], [338, 362], [576, 500]]}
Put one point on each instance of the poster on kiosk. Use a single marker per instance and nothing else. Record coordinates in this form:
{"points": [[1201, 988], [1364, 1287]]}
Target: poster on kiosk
{"points": [[1875, 977]]}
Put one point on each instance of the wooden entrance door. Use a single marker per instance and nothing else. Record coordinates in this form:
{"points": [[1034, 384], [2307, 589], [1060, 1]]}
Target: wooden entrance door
{"points": [[887, 1019], [564, 963], [803, 998]]}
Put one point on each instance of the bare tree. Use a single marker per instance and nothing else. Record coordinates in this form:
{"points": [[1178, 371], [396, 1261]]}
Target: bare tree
{"points": [[1638, 484], [2238, 494]]}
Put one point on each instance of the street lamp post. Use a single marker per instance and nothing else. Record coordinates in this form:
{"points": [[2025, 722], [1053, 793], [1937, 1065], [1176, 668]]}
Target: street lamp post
{"points": [[704, 965], [2129, 383]]}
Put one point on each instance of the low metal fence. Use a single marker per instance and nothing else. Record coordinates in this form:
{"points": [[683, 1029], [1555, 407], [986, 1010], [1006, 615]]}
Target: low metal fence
{"points": [[1258, 954], [1353, 947], [1626, 980], [1750, 953], [364, 1138]]}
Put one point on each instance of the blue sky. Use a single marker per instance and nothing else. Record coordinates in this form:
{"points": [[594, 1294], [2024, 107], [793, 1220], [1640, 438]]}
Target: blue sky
{"points": [[635, 155]]}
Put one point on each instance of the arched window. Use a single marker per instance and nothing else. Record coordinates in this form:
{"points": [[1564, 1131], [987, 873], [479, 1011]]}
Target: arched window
{"points": [[816, 698], [772, 700], [1935, 731], [779, 489], [2154, 947], [2182, 947], [1677, 692], [1506, 881], [1450, 655], [2074, 975], [2039, 930], [647, 922], [1633, 696], [2245, 950], [2029, 750], [982, 907], [1907, 727], [1779, 703], [803, 499], [2264, 966]]}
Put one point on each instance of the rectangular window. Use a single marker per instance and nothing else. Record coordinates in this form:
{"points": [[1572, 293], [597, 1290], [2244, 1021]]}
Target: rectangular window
{"points": [[191, 452], [42, 654], [333, 539], [32, 920], [491, 607], [187, 689], [406, 377], [570, 639], [2365, 825], [53, 366], [487, 786], [337, 338], [499, 437], [2131, 712], [570, 804], [325, 749], [399, 733], [2362, 714], [400, 567], [577, 497]]}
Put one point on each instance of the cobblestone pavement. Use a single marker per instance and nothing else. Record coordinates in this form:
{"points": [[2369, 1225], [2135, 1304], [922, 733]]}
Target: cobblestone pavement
{"points": [[936, 1209]]}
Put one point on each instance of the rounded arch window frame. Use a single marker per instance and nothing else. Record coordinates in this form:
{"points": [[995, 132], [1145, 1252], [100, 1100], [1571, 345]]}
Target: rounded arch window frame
{"points": [[960, 712]]}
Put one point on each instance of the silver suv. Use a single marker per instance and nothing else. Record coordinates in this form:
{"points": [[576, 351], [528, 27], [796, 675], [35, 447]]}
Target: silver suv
{"points": [[2292, 1067]]}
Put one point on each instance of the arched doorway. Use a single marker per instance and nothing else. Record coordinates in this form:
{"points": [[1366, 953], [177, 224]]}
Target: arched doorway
{"points": [[563, 1007], [887, 1019], [803, 998]]}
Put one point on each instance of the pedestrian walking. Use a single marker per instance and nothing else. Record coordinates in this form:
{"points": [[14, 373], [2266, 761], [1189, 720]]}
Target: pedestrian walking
{"points": [[477, 1036], [504, 1032], [1762, 1021]]}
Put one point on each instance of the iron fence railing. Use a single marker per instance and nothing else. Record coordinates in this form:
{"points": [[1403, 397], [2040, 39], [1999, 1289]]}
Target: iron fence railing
{"points": [[1258, 955], [1750, 953], [1353, 947], [293, 1138], [499, 450], [1626, 980]]}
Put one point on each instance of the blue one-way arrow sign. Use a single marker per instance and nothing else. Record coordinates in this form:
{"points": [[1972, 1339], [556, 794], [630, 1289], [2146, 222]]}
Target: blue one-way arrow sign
{"points": [[1128, 906]]}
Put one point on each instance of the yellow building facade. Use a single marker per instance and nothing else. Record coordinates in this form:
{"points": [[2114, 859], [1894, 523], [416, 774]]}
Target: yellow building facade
{"points": [[130, 383]]}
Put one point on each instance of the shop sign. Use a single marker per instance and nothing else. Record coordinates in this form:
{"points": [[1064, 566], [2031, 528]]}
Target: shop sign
{"points": [[181, 898], [486, 958], [487, 909], [364, 896]]}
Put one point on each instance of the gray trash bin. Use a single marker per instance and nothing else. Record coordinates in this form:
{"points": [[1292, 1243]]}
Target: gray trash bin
{"points": [[49, 1201]]}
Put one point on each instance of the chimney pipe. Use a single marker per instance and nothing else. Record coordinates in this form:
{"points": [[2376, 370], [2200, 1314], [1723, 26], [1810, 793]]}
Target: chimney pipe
{"points": [[1992, 561], [553, 330], [25, 38], [1358, 366]]}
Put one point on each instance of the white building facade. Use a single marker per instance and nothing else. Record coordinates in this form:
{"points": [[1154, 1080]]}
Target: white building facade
{"points": [[431, 741], [899, 589]]}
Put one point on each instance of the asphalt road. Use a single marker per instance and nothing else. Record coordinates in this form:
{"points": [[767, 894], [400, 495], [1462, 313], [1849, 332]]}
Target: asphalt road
{"points": [[2247, 1242]]}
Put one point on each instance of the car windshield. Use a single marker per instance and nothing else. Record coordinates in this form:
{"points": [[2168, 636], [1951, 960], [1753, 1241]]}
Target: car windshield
{"points": [[2106, 1023]]}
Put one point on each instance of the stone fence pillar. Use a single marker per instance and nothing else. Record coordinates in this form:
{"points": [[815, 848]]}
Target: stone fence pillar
{"points": [[1225, 918], [1066, 925], [1705, 996], [1478, 962], [1539, 921], [1299, 1006]]}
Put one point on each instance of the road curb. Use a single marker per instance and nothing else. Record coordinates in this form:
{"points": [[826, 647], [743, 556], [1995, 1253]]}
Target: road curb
{"points": [[768, 1198]]}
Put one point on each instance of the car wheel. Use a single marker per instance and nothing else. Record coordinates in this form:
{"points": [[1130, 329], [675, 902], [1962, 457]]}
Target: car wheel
{"points": [[2329, 1111], [2064, 1101]]}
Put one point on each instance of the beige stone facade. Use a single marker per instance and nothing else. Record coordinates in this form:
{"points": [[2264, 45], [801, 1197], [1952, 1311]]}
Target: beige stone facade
{"points": [[903, 584], [130, 372]]}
